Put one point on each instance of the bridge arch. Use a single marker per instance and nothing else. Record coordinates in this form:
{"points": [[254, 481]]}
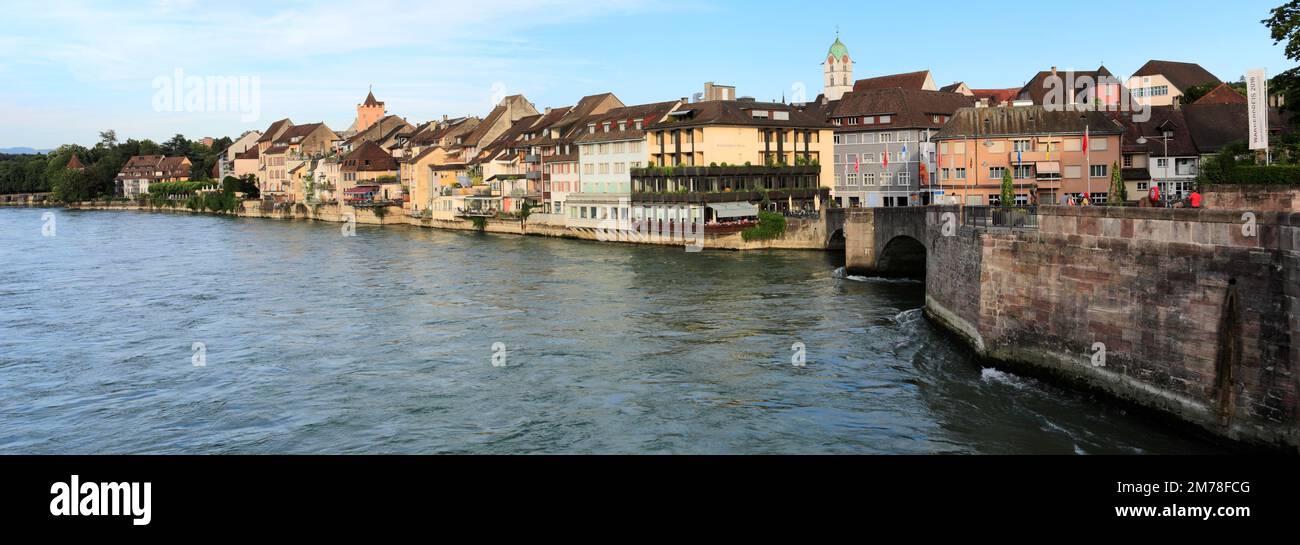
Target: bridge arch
{"points": [[902, 256]]}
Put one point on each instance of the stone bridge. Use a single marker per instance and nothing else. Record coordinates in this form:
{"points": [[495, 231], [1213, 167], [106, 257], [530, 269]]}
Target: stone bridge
{"points": [[1190, 313]]}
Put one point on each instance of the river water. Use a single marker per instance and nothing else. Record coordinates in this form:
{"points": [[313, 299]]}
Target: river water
{"points": [[407, 340]]}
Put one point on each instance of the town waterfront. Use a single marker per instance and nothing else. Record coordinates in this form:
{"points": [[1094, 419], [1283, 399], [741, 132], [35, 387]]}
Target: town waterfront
{"points": [[385, 343]]}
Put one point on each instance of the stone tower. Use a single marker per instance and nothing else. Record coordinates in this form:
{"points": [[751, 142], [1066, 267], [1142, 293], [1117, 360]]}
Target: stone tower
{"points": [[368, 113], [839, 71]]}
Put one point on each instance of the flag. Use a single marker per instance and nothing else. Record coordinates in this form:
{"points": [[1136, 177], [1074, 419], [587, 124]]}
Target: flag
{"points": [[857, 164], [1049, 148], [885, 156], [1085, 139], [1018, 157]]}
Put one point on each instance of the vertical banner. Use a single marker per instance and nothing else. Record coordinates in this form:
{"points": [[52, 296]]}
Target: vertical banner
{"points": [[1257, 95]]}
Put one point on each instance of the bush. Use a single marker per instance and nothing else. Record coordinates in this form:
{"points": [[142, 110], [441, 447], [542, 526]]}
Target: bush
{"points": [[1262, 175], [771, 225]]}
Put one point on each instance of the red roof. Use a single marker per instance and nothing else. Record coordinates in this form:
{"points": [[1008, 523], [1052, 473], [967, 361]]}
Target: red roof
{"points": [[1223, 94], [358, 190]]}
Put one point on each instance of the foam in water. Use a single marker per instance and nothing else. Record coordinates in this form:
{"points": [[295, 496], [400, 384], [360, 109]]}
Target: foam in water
{"points": [[994, 375], [840, 273]]}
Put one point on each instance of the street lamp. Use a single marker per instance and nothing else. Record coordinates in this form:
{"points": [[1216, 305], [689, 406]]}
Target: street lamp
{"points": [[1166, 135]]}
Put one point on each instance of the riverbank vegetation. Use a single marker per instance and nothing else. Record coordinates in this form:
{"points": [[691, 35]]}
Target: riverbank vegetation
{"points": [[771, 226], [49, 173]]}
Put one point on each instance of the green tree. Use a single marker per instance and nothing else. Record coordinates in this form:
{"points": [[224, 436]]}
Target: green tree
{"points": [[1284, 26], [1008, 189], [1118, 192]]}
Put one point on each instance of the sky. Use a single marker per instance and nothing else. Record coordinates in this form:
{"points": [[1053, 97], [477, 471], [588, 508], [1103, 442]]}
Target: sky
{"points": [[72, 69]]}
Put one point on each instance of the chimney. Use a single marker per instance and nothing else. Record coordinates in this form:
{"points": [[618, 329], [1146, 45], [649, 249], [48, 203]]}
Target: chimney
{"points": [[1053, 70], [444, 118]]}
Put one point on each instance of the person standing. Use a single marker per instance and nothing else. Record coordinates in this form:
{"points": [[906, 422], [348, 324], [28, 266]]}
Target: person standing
{"points": [[1196, 198]]}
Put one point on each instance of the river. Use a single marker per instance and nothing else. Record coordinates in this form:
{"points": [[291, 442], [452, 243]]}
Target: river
{"points": [[408, 340]]}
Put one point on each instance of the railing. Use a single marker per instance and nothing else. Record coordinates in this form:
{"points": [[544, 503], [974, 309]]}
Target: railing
{"points": [[1009, 217]]}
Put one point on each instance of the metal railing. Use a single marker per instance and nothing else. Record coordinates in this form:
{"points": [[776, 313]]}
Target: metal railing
{"points": [[1008, 217]]}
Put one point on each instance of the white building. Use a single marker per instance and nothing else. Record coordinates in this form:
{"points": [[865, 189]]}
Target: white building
{"points": [[608, 148]]}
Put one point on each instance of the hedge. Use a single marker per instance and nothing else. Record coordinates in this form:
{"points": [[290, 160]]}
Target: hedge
{"points": [[1263, 175], [771, 225]]}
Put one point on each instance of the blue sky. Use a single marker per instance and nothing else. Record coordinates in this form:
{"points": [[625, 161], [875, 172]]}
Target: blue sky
{"points": [[71, 69]]}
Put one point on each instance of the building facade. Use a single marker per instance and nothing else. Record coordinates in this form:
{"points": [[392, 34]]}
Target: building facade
{"points": [[1049, 154], [883, 152]]}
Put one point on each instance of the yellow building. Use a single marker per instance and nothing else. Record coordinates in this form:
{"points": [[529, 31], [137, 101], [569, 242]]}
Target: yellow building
{"points": [[717, 160]]}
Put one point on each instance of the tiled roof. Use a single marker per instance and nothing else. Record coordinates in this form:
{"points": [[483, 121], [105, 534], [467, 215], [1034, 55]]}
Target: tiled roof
{"points": [[996, 97], [370, 100], [369, 157], [275, 127], [909, 108], [1223, 94], [648, 113], [1182, 75], [1025, 120], [739, 113], [1214, 126], [1163, 118], [298, 131], [910, 80], [1036, 90]]}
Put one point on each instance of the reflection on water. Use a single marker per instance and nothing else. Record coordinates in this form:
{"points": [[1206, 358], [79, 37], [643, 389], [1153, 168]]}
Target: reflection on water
{"points": [[319, 343]]}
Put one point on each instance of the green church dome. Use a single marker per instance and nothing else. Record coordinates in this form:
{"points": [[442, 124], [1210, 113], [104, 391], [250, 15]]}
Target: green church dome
{"points": [[839, 50]]}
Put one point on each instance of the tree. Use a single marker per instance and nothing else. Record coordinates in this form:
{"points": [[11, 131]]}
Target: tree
{"points": [[1008, 189], [1118, 191], [108, 138], [1284, 26]]}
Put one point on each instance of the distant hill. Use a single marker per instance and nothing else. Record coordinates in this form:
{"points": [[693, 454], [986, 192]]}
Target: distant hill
{"points": [[23, 151]]}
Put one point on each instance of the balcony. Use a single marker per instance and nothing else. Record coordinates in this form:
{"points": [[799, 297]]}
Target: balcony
{"points": [[534, 175], [533, 158]]}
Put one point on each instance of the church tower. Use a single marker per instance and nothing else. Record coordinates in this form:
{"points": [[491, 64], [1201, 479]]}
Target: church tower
{"points": [[368, 113], [839, 71]]}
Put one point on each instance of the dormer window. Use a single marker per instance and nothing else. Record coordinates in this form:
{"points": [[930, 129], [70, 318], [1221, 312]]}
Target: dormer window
{"points": [[622, 125], [591, 128], [638, 124]]}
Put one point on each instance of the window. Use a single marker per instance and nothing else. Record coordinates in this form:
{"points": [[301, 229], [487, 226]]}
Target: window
{"points": [[1099, 144], [1128, 161], [886, 119], [781, 116], [853, 179], [995, 173], [1024, 172], [1022, 145], [886, 137], [837, 139], [837, 160], [852, 158], [1162, 163], [869, 120], [850, 139], [884, 178], [1100, 171], [869, 179], [959, 173], [868, 158], [1074, 172], [1073, 144], [904, 178]]}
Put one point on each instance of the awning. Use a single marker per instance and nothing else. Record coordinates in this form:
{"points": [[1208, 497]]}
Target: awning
{"points": [[734, 209], [1048, 167], [362, 189]]}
